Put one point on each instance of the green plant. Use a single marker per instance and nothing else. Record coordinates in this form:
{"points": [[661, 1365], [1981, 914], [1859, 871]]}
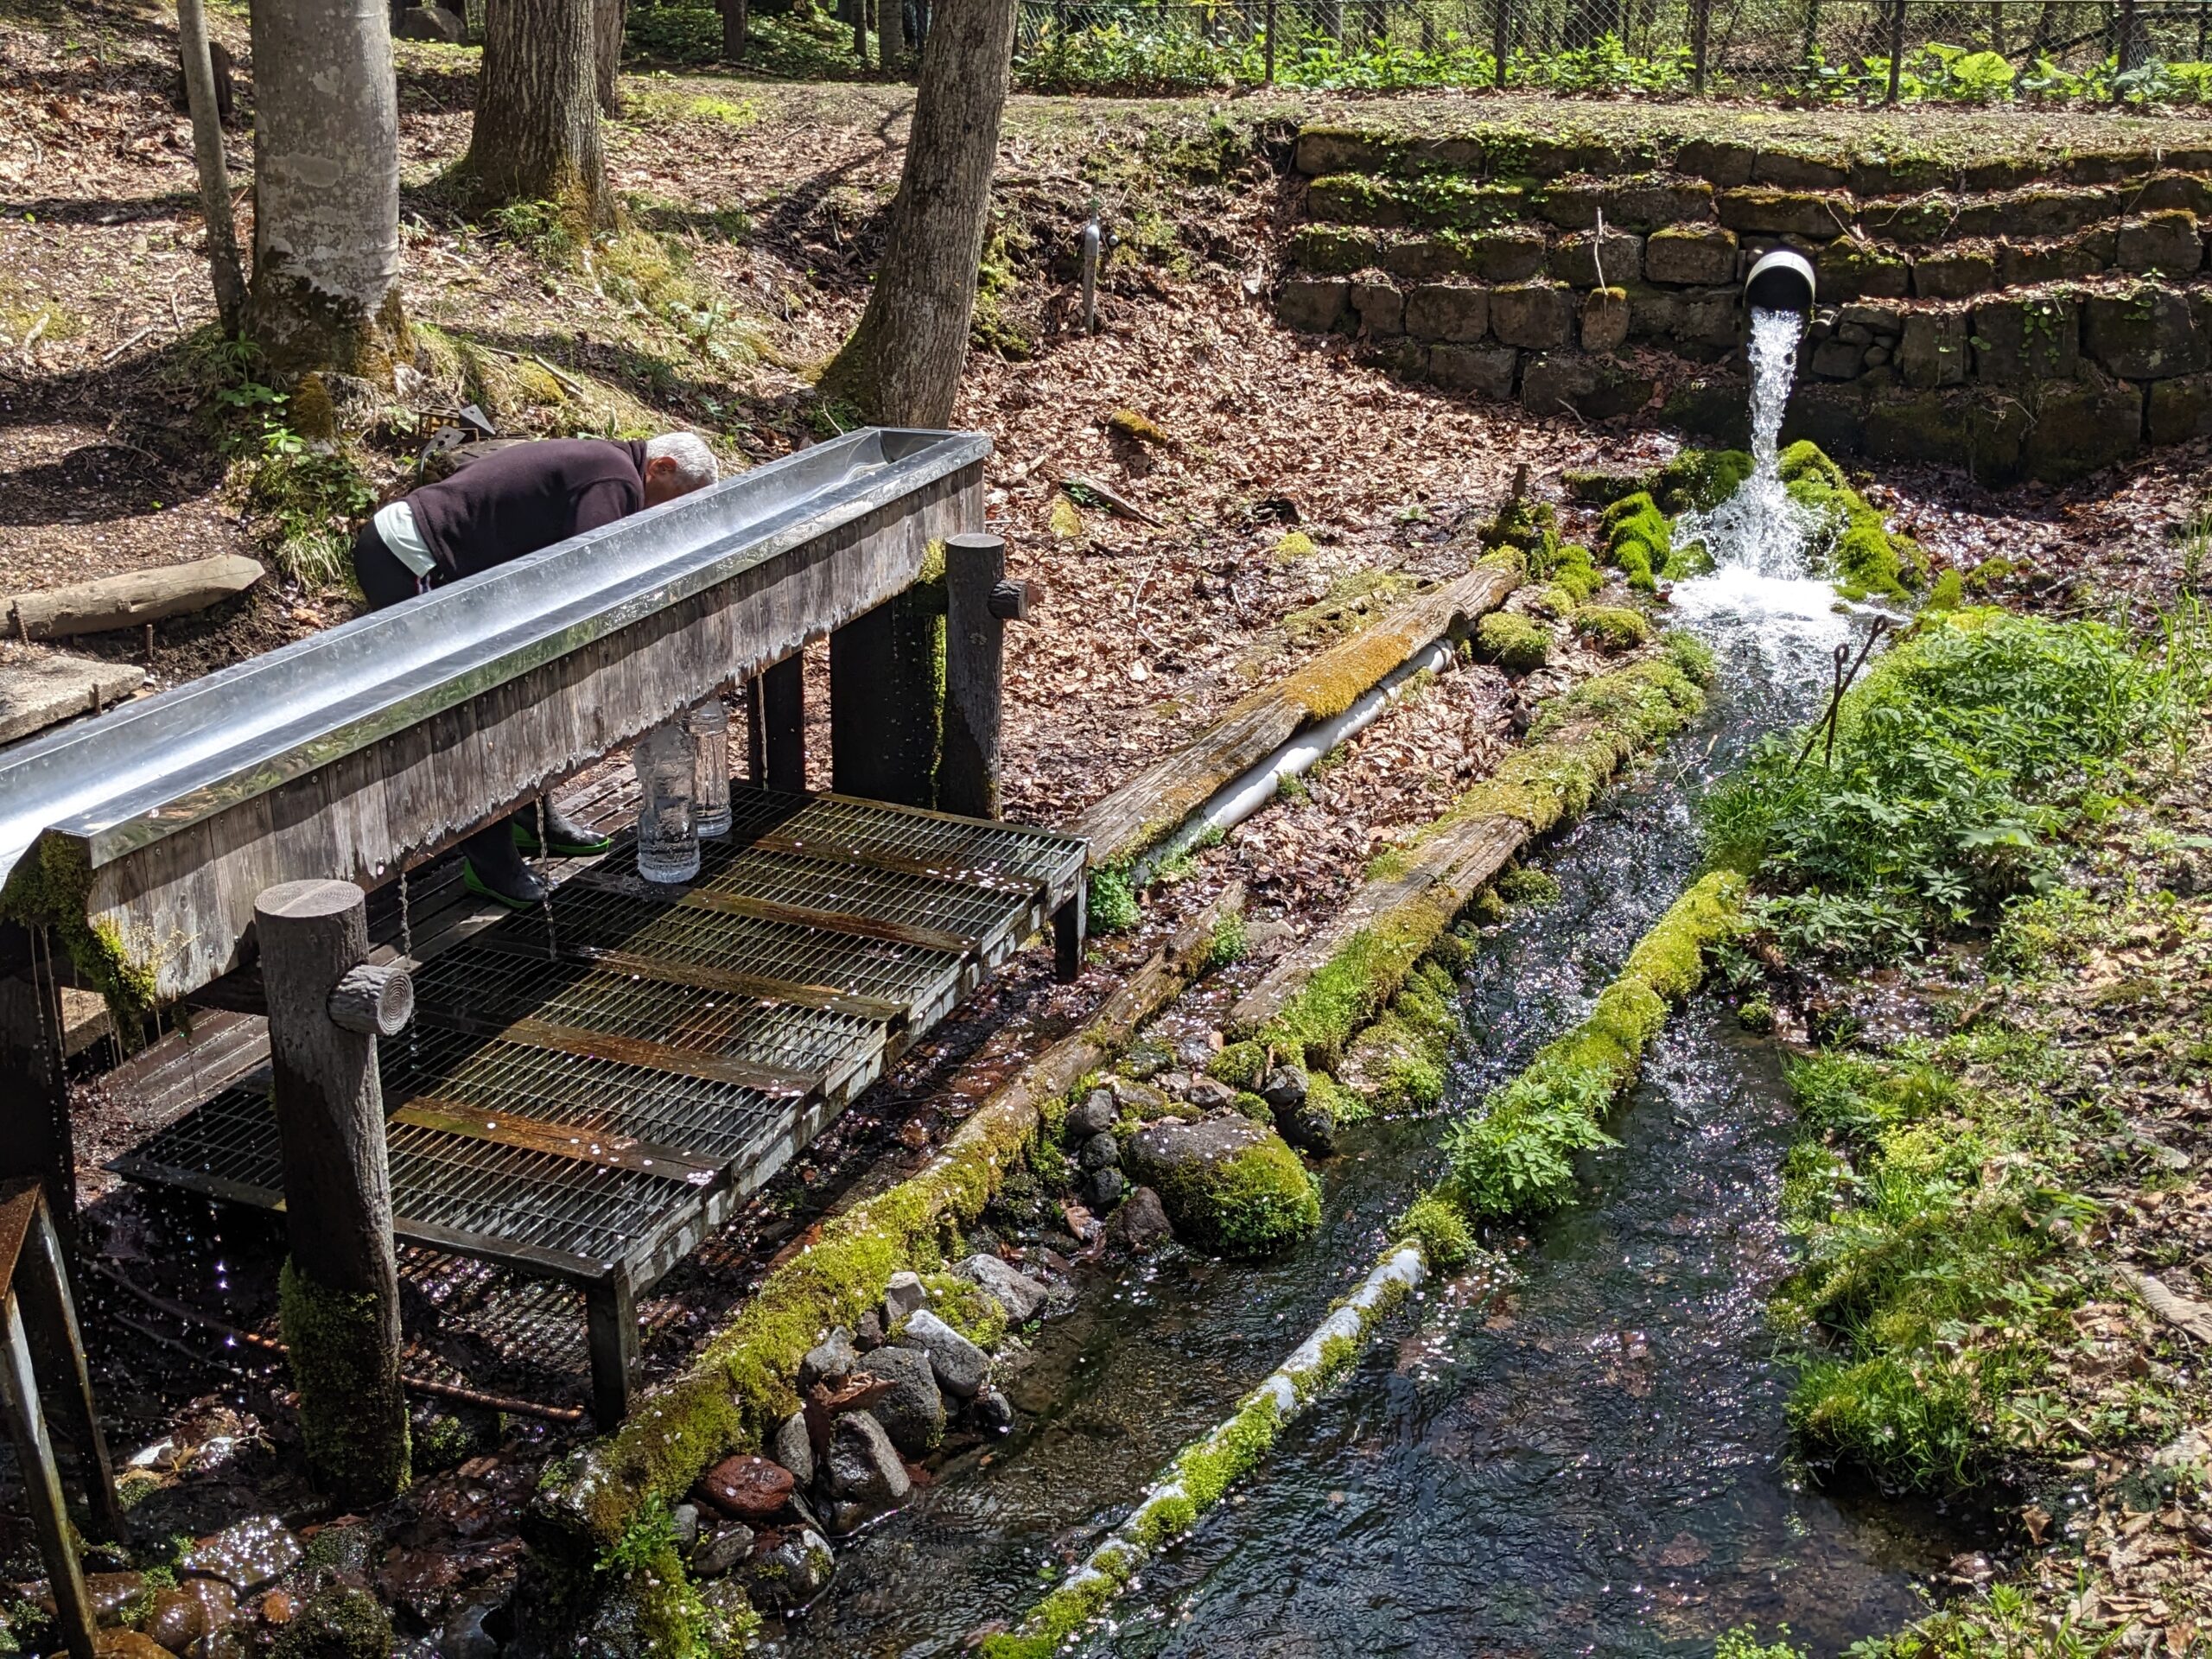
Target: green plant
{"points": [[1113, 907], [1743, 1643], [1231, 943]]}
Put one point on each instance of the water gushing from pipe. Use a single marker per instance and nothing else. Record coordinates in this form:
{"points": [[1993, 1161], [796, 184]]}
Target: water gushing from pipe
{"points": [[1759, 531]]}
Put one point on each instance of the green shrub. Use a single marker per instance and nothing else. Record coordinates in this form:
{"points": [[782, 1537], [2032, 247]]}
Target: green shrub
{"points": [[1112, 907], [1513, 643], [1441, 1231]]}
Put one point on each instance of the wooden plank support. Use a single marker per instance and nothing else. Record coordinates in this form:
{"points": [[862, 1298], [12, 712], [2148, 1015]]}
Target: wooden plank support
{"points": [[611, 1333], [19, 1399], [1071, 923], [775, 726], [975, 672], [1157, 800], [341, 1284], [884, 699]]}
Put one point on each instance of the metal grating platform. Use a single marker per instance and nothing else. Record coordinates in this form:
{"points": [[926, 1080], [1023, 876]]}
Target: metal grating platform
{"points": [[589, 1090]]}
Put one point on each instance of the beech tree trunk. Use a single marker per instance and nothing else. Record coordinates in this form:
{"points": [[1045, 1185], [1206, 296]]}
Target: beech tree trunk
{"points": [[325, 143], [223, 267], [536, 135], [734, 24], [608, 19], [902, 366]]}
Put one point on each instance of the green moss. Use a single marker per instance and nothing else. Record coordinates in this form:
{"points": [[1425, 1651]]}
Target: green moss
{"points": [[1344, 1105], [1240, 1065], [1513, 643], [1254, 1107], [1231, 943], [351, 1415], [1697, 481], [1525, 884], [1252, 1203], [1516, 1155], [1113, 903], [51, 887], [1612, 627], [1441, 1231], [1947, 594], [1862, 557], [340, 1624], [1334, 249], [967, 1307], [1638, 539], [1575, 571], [1554, 601]]}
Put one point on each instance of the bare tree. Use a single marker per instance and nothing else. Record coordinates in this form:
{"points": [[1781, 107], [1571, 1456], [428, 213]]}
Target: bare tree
{"points": [[223, 267], [610, 18], [326, 143], [536, 135], [902, 365]]}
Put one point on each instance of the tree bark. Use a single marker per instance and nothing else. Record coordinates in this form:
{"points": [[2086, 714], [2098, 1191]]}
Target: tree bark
{"points": [[902, 365], [223, 267], [326, 142], [536, 135], [734, 24], [609, 17]]}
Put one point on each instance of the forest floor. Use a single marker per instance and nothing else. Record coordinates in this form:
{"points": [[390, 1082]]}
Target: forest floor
{"points": [[757, 211]]}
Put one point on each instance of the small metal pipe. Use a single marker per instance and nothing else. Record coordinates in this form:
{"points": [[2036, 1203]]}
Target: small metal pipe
{"points": [[1782, 280]]}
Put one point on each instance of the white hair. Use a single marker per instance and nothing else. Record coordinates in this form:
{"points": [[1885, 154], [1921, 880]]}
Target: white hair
{"points": [[695, 467]]}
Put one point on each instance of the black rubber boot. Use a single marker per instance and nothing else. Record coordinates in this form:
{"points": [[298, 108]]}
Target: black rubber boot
{"points": [[566, 838], [494, 870]]}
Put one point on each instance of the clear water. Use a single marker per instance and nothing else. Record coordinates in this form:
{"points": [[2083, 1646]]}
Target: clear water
{"points": [[667, 761], [1759, 535], [1592, 1460]]}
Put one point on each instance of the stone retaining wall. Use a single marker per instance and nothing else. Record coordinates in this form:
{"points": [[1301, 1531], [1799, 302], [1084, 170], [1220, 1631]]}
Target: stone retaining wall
{"points": [[2039, 316]]}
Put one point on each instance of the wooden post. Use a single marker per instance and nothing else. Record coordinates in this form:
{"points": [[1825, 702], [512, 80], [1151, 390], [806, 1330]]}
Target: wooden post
{"points": [[1071, 922], [885, 686], [1501, 37], [34, 1135], [2125, 51], [611, 1334], [775, 726], [1270, 47], [1700, 28], [341, 1288], [1896, 47], [979, 601]]}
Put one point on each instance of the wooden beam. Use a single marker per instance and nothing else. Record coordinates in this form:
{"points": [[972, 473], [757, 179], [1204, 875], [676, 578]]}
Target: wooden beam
{"points": [[779, 695], [19, 1403], [975, 673], [611, 1330], [35, 1139], [885, 692]]}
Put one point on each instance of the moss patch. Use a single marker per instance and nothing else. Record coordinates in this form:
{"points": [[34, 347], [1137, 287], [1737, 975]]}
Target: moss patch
{"points": [[1862, 557], [1252, 1203], [1638, 539], [1513, 643], [1612, 627], [352, 1415]]}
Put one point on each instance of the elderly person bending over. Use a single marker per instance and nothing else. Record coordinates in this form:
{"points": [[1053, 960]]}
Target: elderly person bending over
{"points": [[512, 501]]}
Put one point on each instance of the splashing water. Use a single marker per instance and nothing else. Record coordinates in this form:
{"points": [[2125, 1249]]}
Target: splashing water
{"points": [[1759, 531]]}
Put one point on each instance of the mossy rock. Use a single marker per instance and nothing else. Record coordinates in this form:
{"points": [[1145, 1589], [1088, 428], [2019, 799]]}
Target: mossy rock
{"points": [[1575, 571], [342, 1623], [1638, 539], [1230, 1185], [1240, 1065], [1513, 643], [1697, 481], [967, 1307], [1525, 884], [1612, 627], [1862, 557], [1435, 1223]]}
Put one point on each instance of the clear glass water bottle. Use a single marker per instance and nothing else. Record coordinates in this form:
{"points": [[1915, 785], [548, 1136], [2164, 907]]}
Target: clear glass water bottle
{"points": [[668, 832], [708, 723]]}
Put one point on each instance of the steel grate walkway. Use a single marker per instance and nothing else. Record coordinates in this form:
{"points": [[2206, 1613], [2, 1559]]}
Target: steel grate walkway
{"points": [[587, 1090]]}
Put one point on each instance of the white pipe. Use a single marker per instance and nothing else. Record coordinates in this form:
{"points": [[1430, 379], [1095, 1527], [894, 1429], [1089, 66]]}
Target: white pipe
{"points": [[1242, 796]]}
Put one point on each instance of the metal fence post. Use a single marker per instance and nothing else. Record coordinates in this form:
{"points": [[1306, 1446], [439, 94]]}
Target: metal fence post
{"points": [[1501, 34], [2126, 54], [1271, 43], [1897, 48], [1701, 22]]}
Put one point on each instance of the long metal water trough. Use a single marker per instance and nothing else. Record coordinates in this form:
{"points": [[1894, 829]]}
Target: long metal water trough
{"points": [[589, 1089]]}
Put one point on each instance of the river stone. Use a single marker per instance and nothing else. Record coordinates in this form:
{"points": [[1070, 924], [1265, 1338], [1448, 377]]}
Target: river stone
{"points": [[830, 1362], [248, 1556], [913, 1414], [792, 1574], [684, 1518], [1098, 1113], [126, 1644], [1227, 1183], [1142, 1222], [465, 1636], [748, 1487], [721, 1549], [1283, 1087], [1100, 1152], [791, 1446], [341, 1624], [870, 1336], [861, 1466], [994, 1411], [902, 1296], [960, 1365], [432, 23], [1103, 1188], [1013, 1289], [218, 1604], [176, 1620], [1210, 1094], [1308, 1125]]}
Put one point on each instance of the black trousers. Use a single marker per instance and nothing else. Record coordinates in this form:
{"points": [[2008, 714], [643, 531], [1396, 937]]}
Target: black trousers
{"points": [[384, 582]]}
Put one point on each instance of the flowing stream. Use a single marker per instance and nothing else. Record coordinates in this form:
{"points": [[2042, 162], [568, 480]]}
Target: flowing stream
{"points": [[1591, 1460]]}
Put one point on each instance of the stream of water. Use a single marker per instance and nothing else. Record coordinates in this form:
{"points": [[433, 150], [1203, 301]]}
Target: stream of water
{"points": [[1592, 1461]]}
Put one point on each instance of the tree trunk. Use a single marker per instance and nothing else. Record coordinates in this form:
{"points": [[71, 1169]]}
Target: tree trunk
{"points": [[223, 267], [734, 22], [608, 18], [536, 135], [902, 366], [326, 143]]}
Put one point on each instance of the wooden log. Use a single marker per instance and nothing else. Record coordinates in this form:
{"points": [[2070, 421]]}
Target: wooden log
{"points": [[35, 1139], [885, 697], [779, 697], [974, 672], [19, 1403], [49, 1315], [127, 601], [374, 1001], [341, 1285], [1159, 798]]}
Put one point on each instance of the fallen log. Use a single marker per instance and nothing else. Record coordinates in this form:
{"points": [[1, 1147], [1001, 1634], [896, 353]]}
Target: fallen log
{"points": [[131, 600], [1151, 804]]}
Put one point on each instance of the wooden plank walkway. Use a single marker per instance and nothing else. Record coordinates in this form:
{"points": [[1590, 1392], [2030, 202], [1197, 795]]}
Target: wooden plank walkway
{"points": [[589, 1089]]}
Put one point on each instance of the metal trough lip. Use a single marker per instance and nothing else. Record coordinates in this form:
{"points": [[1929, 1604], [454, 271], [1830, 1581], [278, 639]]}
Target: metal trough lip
{"points": [[150, 768]]}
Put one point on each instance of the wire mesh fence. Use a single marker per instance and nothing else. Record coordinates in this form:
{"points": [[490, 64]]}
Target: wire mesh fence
{"points": [[1975, 51]]}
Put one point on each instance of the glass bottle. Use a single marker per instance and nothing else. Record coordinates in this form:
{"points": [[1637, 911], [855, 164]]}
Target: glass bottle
{"points": [[709, 724], [668, 834]]}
